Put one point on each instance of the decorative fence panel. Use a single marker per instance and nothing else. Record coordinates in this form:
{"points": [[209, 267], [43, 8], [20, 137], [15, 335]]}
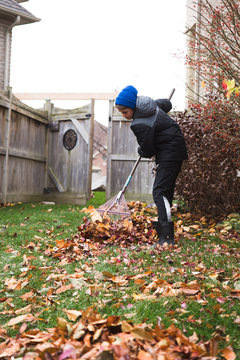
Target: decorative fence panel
{"points": [[68, 165]]}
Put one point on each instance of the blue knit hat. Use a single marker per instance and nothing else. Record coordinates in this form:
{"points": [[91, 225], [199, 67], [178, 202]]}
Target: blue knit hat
{"points": [[127, 97]]}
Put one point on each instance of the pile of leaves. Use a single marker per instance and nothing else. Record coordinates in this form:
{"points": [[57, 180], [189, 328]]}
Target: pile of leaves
{"points": [[89, 336], [126, 231]]}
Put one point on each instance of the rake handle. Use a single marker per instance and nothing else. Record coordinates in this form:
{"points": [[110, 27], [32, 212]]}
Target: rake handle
{"points": [[129, 178]]}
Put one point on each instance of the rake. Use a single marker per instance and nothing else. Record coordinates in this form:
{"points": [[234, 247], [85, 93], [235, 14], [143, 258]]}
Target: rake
{"points": [[118, 205]]}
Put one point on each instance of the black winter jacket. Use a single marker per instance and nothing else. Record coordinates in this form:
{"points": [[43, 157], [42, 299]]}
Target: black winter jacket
{"points": [[156, 132]]}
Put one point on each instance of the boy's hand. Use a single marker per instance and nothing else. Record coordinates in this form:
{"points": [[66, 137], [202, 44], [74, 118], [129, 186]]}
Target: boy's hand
{"points": [[140, 152]]}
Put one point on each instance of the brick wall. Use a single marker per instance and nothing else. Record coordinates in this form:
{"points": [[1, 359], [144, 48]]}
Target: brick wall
{"points": [[4, 24]]}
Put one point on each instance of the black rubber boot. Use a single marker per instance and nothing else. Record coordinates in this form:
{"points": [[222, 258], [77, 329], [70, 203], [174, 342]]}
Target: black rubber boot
{"points": [[165, 232]]}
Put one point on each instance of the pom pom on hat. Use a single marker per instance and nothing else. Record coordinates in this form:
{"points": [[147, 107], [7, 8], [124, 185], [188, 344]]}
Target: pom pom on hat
{"points": [[127, 97]]}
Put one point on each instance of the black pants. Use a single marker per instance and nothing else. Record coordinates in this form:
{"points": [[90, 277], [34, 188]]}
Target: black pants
{"points": [[164, 185]]}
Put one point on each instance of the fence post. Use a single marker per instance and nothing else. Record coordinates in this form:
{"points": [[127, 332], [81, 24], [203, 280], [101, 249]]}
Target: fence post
{"points": [[90, 150], [7, 140], [109, 150], [48, 108]]}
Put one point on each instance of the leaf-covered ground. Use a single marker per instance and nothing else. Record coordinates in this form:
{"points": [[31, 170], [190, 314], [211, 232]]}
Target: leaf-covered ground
{"points": [[102, 290]]}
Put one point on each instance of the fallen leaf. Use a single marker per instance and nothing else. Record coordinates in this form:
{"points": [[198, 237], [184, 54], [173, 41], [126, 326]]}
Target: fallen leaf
{"points": [[23, 328], [77, 283], [21, 318], [189, 291], [68, 352], [9, 348], [229, 354], [24, 310], [27, 295], [237, 320], [142, 334], [64, 288], [143, 355], [94, 214], [73, 315]]}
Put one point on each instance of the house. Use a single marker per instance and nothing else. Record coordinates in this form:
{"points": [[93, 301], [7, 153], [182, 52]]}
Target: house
{"points": [[11, 14], [193, 23]]}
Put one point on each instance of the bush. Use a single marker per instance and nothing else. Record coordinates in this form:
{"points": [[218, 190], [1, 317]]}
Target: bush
{"points": [[208, 181]]}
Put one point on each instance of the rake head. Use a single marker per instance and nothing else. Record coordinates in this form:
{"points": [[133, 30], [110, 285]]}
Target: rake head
{"points": [[115, 206]]}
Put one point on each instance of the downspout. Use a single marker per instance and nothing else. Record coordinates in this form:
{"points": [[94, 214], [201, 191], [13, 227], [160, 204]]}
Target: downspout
{"points": [[199, 47], [7, 142], [8, 118], [7, 50]]}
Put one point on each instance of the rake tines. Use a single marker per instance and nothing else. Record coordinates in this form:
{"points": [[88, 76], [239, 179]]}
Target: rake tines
{"points": [[118, 205], [115, 206]]}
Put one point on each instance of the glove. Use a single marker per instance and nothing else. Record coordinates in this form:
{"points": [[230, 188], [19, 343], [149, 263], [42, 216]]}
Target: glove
{"points": [[141, 153]]}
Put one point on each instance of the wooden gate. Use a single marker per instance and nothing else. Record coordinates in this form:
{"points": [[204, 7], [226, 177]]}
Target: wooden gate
{"points": [[70, 156], [122, 154], [45, 155]]}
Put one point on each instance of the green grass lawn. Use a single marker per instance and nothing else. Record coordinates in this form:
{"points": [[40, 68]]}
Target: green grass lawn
{"points": [[195, 286]]}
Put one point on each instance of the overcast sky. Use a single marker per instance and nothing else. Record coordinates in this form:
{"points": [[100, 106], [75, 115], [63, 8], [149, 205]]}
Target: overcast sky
{"points": [[101, 46]]}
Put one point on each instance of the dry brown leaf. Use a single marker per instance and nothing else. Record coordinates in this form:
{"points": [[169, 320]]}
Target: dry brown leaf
{"points": [[3, 299], [27, 295], [138, 297], [237, 320], [142, 334], [126, 327], [229, 354], [23, 328], [64, 288], [9, 348], [21, 318], [24, 310], [73, 315], [97, 334], [13, 283], [189, 291], [61, 244], [143, 355], [94, 214]]}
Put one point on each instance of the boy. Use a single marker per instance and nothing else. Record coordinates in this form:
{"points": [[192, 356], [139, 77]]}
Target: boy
{"points": [[160, 136]]}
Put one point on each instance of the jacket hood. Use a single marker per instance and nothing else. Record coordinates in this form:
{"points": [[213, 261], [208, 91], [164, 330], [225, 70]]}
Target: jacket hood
{"points": [[145, 106]]}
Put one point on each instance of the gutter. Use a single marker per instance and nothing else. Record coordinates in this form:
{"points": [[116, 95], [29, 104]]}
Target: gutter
{"points": [[7, 50], [8, 119], [25, 15], [7, 141]]}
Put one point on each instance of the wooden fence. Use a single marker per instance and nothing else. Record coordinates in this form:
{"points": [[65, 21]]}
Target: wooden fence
{"points": [[122, 154], [37, 163], [34, 164], [22, 151]]}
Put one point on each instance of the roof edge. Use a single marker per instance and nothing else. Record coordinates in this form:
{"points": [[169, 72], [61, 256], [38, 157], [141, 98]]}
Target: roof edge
{"points": [[32, 18]]}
